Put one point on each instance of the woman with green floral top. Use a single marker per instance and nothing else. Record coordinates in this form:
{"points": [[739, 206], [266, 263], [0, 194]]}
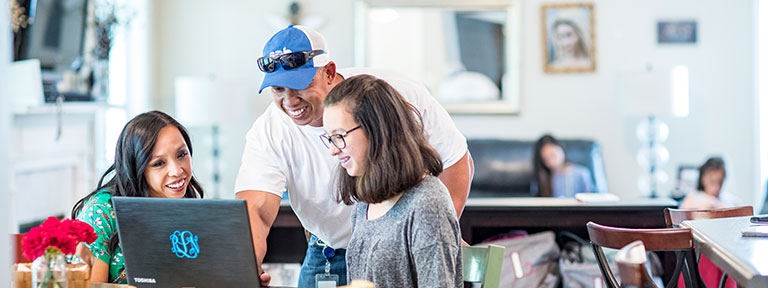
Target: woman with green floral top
{"points": [[152, 159]]}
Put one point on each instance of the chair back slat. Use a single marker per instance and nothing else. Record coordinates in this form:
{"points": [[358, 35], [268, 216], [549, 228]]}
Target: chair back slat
{"points": [[664, 239], [674, 217]]}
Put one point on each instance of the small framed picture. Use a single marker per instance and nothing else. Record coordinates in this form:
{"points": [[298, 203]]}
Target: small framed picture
{"points": [[568, 31], [676, 32]]}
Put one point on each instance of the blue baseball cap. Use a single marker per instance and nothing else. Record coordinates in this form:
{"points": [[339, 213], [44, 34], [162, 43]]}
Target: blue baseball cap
{"points": [[294, 38]]}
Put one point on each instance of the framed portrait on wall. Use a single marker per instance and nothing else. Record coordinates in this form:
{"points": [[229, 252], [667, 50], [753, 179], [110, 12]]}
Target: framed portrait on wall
{"points": [[568, 31], [676, 32]]}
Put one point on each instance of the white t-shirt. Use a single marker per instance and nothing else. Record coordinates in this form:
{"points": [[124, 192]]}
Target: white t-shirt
{"points": [[280, 155]]}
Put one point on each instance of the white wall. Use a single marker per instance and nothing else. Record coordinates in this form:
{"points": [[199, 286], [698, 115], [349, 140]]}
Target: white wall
{"points": [[225, 38], [133, 42], [761, 11], [721, 119], [5, 136]]}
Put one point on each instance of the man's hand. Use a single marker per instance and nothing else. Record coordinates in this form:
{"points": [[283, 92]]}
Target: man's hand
{"points": [[264, 278]]}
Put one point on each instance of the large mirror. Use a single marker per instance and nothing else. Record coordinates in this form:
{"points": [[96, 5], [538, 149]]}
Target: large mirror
{"points": [[466, 52]]}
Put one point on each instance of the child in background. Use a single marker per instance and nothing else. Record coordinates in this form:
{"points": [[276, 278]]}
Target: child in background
{"points": [[708, 192]]}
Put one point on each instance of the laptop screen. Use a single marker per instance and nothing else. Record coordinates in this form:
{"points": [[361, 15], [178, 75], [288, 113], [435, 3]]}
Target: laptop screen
{"points": [[186, 242]]}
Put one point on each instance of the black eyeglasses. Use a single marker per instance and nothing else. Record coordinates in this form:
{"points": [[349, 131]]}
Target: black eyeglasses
{"points": [[337, 139], [289, 61]]}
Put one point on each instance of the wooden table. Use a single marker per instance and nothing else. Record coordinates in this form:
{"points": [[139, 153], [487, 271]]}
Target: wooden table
{"points": [[745, 259], [542, 213], [484, 215]]}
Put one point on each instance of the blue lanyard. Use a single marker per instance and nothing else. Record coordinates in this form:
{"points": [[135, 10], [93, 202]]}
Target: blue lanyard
{"points": [[328, 253]]}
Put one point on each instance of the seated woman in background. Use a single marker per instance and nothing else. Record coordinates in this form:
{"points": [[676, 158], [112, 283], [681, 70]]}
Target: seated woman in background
{"points": [[405, 231], [709, 189], [152, 159], [553, 176]]}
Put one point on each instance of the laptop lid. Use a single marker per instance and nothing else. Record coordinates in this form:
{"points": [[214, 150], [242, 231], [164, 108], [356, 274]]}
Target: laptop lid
{"points": [[186, 242]]}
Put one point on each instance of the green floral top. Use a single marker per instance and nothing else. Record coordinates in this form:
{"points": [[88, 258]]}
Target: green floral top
{"points": [[98, 212]]}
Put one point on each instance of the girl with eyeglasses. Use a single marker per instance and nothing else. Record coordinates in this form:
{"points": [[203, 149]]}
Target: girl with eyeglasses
{"points": [[405, 230]]}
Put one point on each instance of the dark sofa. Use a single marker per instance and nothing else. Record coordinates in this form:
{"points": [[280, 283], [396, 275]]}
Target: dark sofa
{"points": [[504, 168]]}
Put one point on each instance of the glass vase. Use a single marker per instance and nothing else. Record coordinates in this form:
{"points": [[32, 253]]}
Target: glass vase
{"points": [[50, 271]]}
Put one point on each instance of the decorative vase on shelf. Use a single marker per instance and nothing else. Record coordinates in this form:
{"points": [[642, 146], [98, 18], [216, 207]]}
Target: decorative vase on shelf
{"points": [[100, 90], [50, 271]]}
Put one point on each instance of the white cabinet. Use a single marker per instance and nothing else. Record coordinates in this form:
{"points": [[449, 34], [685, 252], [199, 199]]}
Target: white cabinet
{"points": [[56, 157]]}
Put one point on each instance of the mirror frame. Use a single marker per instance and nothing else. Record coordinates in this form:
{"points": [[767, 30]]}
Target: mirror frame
{"points": [[511, 97]]}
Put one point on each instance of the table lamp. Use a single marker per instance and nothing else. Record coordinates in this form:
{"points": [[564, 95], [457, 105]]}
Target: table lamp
{"points": [[651, 94], [210, 108]]}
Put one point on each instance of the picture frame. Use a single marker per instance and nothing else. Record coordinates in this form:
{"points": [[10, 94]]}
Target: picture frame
{"points": [[676, 32], [568, 34], [433, 62]]}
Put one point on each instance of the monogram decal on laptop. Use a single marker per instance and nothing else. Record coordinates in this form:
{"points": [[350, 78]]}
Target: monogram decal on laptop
{"points": [[184, 244]]}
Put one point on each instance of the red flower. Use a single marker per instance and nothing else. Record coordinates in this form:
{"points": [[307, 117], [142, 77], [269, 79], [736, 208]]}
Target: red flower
{"points": [[54, 234], [79, 230], [33, 244]]}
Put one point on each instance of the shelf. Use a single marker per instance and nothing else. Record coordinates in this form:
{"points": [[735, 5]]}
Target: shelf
{"points": [[67, 108]]}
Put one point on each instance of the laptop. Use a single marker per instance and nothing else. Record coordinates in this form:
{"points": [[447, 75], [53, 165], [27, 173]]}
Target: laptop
{"points": [[186, 242]]}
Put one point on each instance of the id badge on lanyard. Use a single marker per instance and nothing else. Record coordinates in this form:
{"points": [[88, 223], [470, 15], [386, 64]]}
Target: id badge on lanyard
{"points": [[326, 280]]}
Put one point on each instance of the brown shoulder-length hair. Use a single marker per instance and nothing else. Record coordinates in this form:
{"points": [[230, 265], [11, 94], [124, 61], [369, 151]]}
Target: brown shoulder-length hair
{"points": [[398, 153], [712, 164]]}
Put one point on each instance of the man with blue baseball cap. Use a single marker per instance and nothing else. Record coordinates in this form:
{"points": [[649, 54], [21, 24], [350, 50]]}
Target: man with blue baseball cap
{"points": [[284, 151]]}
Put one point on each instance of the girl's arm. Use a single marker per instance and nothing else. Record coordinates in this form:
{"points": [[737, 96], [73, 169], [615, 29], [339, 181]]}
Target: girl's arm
{"points": [[99, 269]]}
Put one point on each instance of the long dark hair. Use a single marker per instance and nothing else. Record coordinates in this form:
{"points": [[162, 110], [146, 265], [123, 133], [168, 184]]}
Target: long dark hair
{"points": [[712, 164], [132, 153], [399, 154], [541, 172]]}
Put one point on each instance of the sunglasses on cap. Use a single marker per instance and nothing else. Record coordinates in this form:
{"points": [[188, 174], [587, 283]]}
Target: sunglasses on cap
{"points": [[288, 61]]}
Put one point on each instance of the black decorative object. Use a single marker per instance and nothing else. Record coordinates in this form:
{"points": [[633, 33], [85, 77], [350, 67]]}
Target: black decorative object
{"points": [[677, 32]]}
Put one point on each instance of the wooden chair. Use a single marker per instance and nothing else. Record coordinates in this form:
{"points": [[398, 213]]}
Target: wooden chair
{"points": [[17, 251], [679, 240], [482, 264], [631, 261], [674, 217]]}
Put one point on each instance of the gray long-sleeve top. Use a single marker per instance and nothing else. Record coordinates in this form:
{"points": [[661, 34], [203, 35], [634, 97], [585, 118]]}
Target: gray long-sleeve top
{"points": [[415, 244]]}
